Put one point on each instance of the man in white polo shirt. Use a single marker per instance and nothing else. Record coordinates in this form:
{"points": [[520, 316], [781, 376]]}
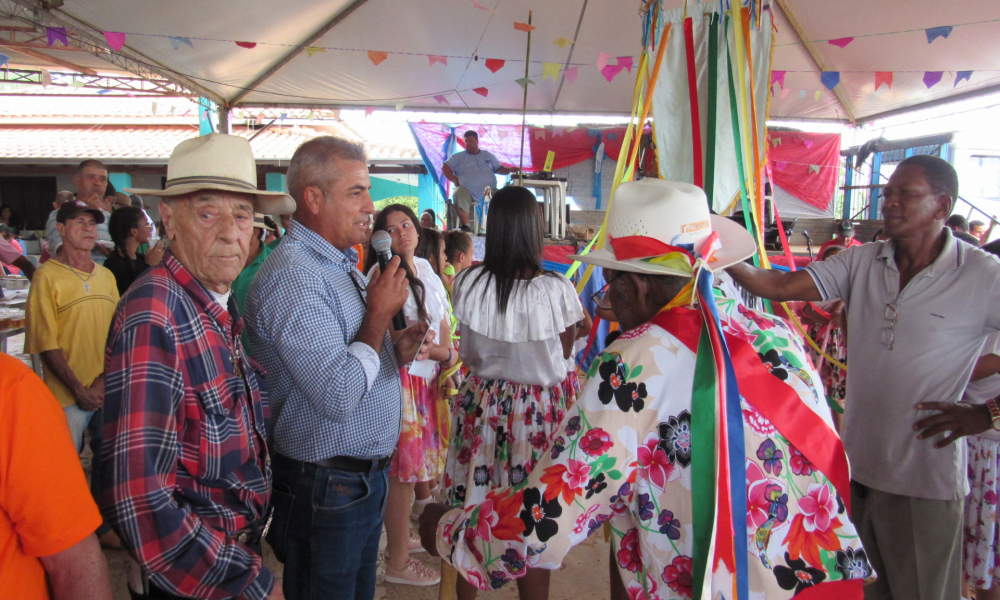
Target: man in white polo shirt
{"points": [[919, 307]]}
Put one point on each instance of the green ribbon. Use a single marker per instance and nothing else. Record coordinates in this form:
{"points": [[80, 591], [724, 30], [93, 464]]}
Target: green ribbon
{"points": [[703, 396]]}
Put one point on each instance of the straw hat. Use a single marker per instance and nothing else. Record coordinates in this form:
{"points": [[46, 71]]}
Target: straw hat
{"points": [[652, 218], [218, 162]]}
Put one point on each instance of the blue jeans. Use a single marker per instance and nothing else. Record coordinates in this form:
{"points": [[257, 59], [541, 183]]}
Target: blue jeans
{"points": [[80, 420], [326, 528]]}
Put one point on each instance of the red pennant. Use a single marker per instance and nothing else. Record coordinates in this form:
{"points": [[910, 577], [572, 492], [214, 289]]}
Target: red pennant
{"points": [[377, 56], [495, 64], [523, 27], [883, 77], [247, 45], [482, 91]]}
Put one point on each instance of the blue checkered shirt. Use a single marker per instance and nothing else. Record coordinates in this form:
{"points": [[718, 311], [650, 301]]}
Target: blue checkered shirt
{"points": [[330, 396]]}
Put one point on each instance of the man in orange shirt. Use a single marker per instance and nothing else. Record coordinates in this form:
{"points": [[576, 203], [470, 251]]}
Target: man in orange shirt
{"points": [[47, 515]]}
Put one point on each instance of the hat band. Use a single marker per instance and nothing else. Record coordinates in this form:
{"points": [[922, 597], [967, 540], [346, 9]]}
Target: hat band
{"points": [[209, 182]]}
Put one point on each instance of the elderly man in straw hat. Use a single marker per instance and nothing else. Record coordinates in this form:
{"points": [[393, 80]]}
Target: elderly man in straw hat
{"points": [[186, 481], [701, 437]]}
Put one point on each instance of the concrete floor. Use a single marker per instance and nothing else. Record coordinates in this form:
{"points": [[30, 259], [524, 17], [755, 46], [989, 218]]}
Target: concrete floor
{"points": [[584, 576]]}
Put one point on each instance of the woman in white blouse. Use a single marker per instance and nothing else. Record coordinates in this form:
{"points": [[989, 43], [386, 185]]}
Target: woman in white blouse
{"points": [[518, 324], [420, 454]]}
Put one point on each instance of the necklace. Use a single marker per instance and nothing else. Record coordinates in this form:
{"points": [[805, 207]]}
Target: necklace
{"points": [[85, 280]]}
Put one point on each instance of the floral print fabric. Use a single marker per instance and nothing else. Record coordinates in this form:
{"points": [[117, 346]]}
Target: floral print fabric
{"points": [[980, 560], [423, 438], [622, 457]]}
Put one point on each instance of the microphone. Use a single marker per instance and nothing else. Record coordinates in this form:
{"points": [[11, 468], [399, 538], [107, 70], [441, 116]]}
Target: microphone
{"points": [[382, 245]]}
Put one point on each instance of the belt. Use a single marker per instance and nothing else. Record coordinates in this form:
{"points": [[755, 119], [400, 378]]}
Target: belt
{"points": [[354, 465], [253, 533]]}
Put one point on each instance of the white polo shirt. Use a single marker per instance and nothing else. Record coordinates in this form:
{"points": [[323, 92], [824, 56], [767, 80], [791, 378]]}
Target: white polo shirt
{"points": [[942, 319]]}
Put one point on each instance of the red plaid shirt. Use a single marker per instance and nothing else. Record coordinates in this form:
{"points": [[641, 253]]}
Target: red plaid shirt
{"points": [[184, 458]]}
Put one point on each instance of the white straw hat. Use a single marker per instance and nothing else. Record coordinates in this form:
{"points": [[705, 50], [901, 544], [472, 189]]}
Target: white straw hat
{"points": [[218, 162], [651, 218]]}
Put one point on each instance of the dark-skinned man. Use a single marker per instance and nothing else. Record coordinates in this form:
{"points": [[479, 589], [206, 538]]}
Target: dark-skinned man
{"points": [[919, 307]]}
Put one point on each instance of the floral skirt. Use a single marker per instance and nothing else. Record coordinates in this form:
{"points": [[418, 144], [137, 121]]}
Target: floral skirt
{"points": [[423, 438], [980, 561], [500, 430]]}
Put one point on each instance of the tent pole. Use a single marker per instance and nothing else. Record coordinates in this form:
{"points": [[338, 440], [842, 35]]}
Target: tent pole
{"points": [[524, 106]]}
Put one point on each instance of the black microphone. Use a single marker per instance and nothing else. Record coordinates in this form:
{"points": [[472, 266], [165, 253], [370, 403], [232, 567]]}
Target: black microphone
{"points": [[382, 245]]}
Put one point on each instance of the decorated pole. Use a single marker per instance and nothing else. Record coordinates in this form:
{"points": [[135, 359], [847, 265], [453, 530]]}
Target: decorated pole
{"points": [[524, 105]]}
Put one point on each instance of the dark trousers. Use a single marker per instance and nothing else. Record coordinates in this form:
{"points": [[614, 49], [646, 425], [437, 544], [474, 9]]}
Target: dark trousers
{"points": [[326, 529], [155, 593]]}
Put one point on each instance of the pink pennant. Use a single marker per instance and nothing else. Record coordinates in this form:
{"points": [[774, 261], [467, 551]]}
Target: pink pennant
{"points": [[115, 40], [778, 77], [441, 99], [784, 92], [369, 110], [434, 58], [883, 77], [482, 91], [479, 6], [625, 62], [570, 74], [609, 71], [841, 42], [494, 64], [247, 45], [807, 143], [780, 165], [602, 60]]}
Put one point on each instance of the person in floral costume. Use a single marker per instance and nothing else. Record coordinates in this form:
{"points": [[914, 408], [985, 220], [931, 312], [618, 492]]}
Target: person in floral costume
{"points": [[629, 455]]}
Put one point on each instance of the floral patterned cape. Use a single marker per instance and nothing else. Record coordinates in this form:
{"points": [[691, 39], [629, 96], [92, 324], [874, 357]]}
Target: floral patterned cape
{"points": [[623, 459]]}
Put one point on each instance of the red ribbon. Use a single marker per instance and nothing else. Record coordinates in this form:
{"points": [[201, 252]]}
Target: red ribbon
{"points": [[693, 94], [641, 246]]}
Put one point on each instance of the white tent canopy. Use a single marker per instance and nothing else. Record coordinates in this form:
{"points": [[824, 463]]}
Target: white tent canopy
{"points": [[336, 70]]}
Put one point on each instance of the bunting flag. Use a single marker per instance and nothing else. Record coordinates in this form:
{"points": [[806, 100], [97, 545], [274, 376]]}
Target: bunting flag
{"points": [[830, 79], [400, 105], [311, 115], [931, 78], [962, 75], [625, 62], [77, 84], [115, 40], [479, 6], [807, 143], [46, 78], [570, 74], [504, 133], [562, 42], [524, 27], [784, 92], [540, 133], [154, 109], [935, 32], [482, 91], [56, 34], [524, 81], [377, 56], [840, 42], [780, 165], [103, 92], [369, 110], [440, 99], [814, 168], [775, 141], [816, 96], [495, 64], [177, 42], [550, 69], [314, 50], [602, 60], [247, 45], [778, 77], [4, 60], [609, 71], [434, 58], [802, 94], [883, 77]]}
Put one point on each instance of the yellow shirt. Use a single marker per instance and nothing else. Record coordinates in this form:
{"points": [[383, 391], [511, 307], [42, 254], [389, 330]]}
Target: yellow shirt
{"points": [[64, 315]]}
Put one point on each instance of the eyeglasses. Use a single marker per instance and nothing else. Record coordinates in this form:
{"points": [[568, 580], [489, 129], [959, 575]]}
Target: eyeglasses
{"points": [[601, 299], [889, 333]]}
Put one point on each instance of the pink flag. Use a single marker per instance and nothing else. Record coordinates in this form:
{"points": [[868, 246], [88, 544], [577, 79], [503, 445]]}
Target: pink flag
{"points": [[784, 92], [482, 91], [434, 58], [441, 99], [602, 60], [369, 110], [807, 143], [570, 74], [609, 71], [115, 40], [780, 165], [841, 42], [625, 62], [779, 77]]}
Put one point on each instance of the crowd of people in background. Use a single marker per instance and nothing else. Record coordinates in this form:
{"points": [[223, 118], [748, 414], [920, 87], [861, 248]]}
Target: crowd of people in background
{"points": [[244, 380]]}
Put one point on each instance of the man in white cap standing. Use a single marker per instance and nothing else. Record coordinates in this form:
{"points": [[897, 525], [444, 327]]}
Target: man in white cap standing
{"points": [[715, 465], [186, 477]]}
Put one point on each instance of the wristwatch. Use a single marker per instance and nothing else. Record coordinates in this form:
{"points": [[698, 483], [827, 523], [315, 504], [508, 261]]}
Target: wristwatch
{"points": [[994, 413]]}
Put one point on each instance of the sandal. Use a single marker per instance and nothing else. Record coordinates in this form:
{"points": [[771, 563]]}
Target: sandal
{"points": [[415, 573]]}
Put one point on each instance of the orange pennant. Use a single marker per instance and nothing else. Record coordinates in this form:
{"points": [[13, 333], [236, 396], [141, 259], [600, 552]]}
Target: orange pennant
{"points": [[377, 56], [523, 26]]}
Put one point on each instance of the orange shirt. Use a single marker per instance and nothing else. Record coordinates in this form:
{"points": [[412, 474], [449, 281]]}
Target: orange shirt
{"points": [[45, 504]]}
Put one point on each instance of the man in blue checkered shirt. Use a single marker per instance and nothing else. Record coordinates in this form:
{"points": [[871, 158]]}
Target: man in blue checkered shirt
{"points": [[322, 336]]}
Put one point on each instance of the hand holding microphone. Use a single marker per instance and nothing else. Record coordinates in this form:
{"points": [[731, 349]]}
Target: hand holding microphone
{"points": [[388, 289]]}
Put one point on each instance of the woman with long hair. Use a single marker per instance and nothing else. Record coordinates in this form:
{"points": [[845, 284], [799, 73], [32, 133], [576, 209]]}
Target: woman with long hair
{"points": [[518, 325], [419, 457], [129, 228]]}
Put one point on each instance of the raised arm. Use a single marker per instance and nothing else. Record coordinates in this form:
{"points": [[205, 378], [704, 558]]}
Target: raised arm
{"points": [[774, 284]]}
